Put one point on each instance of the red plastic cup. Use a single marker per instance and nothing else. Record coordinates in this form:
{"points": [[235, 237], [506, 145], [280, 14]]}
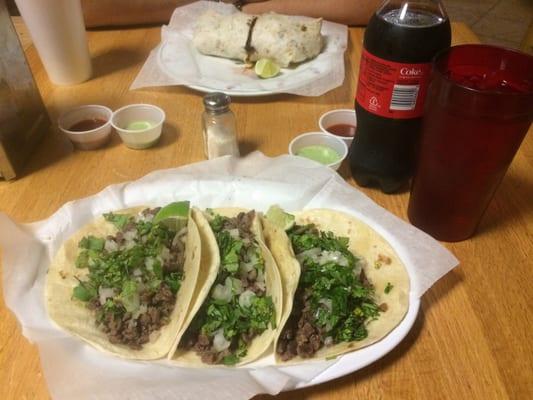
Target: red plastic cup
{"points": [[478, 110]]}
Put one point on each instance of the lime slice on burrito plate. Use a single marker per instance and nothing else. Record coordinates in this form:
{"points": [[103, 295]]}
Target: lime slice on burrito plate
{"points": [[174, 215], [266, 68], [280, 218]]}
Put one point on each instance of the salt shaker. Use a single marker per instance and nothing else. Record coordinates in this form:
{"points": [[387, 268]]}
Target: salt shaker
{"points": [[218, 123]]}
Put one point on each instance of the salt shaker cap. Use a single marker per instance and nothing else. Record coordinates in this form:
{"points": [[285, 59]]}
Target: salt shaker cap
{"points": [[217, 102]]}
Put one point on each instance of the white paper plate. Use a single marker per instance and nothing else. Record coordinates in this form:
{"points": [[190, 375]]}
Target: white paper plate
{"points": [[234, 79]]}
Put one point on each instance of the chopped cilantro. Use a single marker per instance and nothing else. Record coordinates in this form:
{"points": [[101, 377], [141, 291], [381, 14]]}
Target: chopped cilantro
{"points": [[82, 261], [229, 251], [228, 314], [134, 267], [232, 359], [84, 292], [388, 288], [217, 223], [119, 220], [173, 280], [341, 303], [92, 243]]}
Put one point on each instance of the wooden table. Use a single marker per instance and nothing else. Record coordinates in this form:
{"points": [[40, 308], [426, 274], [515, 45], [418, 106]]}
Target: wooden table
{"points": [[473, 336]]}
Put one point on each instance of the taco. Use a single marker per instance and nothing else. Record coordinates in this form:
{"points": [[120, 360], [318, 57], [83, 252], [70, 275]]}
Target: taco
{"points": [[123, 283], [239, 307], [348, 286]]}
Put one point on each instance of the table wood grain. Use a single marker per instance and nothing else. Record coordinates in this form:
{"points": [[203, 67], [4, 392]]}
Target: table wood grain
{"points": [[473, 336]]}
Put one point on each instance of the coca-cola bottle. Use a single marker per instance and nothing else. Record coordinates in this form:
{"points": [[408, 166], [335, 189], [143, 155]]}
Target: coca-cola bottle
{"points": [[400, 40]]}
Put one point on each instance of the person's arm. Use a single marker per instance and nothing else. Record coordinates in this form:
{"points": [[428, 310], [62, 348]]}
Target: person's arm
{"points": [[128, 12], [349, 12]]}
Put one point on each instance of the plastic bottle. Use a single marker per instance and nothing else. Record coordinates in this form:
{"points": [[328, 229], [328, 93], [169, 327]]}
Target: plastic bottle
{"points": [[400, 40]]}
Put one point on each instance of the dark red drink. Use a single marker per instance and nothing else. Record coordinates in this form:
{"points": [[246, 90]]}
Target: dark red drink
{"points": [[400, 41], [478, 110]]}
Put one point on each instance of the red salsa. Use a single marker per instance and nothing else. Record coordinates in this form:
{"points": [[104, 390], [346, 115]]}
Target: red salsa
{"points": [[344, 130], [87, 125]]}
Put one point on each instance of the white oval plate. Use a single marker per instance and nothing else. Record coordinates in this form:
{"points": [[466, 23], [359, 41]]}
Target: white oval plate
{"points": [[234, 78]]}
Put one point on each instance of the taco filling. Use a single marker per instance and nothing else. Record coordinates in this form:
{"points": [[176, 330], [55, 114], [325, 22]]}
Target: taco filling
{"points": [[334, 300], [237, 308], [133, 276]]}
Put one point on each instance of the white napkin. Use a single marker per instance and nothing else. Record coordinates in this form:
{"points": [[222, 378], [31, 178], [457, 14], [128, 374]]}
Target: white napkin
{"points": [[254, 182], [175, 62]]}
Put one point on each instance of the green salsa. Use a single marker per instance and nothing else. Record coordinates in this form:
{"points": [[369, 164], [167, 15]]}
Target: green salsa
{"points": [[139, 125], [323, 154]]}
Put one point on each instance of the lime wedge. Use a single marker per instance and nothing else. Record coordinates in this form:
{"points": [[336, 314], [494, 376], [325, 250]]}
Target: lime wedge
{"points": [[174, 215], [280, 218], [266, 68]]}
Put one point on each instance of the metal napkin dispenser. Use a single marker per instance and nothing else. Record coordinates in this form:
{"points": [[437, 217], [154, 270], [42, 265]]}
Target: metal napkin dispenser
{"points": [[23, 117]]}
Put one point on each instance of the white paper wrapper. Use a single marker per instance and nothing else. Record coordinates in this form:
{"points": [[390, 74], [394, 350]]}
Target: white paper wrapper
{"points": [[175, 62], [254, 182]]}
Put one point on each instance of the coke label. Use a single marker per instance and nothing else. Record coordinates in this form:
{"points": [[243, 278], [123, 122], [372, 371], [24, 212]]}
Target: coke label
{"points": [[390, 89]]}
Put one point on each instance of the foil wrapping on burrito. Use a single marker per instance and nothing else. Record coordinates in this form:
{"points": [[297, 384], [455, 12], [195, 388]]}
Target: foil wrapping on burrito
{"points": [[284, 39]]}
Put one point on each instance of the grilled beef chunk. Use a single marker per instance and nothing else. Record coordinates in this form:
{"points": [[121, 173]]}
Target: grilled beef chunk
{"points": [[123, 329], [300, 337]]}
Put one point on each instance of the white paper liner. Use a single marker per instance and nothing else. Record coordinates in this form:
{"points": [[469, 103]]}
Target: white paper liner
{"points": [[175, 62], [256, 182]]}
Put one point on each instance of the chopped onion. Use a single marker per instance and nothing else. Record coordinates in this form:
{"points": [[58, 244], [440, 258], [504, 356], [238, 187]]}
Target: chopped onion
{"points": [[141, 310], [252, 255], [328, 341], [234, 233], [236, 284], [181, 235], [332, 256], [220, 343], [312, 253], [260, 276], [222, 292], [252, 275], [110, 246], [105, 293], [149, 263], [245, 299], [137, 272], [261, 285], [165, 253], [148, 217], [244, 268], [130, 235], [326, 303]]}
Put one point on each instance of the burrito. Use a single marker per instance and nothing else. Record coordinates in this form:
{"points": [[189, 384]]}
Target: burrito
{"points": [[346, 285], [283, 39], [238, 309], [124, 282]]}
